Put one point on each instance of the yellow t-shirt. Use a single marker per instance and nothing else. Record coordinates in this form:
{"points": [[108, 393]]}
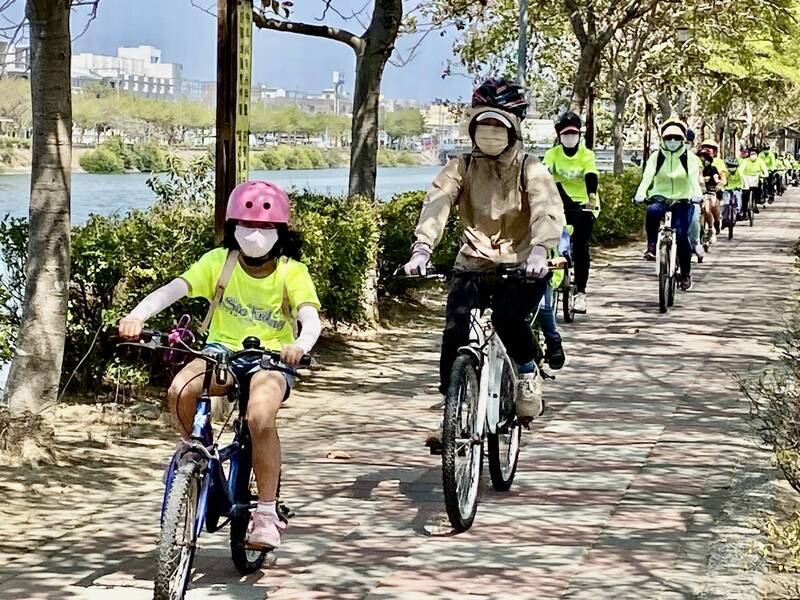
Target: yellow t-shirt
{"points": [[251, 305]]}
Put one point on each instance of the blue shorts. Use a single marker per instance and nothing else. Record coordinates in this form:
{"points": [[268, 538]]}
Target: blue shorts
{"points": [[245, 366]]}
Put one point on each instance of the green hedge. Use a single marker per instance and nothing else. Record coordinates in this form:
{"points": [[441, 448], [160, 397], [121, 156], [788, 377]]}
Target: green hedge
{"points": [[398, 220], [115, 156], [620, 219], [117, 260], [101, 160]]}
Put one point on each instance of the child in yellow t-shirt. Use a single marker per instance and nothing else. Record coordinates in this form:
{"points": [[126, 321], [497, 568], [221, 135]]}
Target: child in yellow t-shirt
{"points": [[268, 288]]}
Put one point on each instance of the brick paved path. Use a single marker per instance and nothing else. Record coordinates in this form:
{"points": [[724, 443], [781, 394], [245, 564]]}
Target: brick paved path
{"points": [[617, 494]]}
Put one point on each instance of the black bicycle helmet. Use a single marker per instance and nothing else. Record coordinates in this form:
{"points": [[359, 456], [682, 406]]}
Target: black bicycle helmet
{"points": [[568, 120], [732, 163], [502, 94]]}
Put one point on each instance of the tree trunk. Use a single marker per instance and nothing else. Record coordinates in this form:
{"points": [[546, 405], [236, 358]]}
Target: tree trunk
{"points": [[618, 131], [371, 60], [35, 371], [588, 70]]}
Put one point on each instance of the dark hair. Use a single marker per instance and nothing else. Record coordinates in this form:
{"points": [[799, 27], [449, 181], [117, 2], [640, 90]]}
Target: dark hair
{"points": [[289, 244]]}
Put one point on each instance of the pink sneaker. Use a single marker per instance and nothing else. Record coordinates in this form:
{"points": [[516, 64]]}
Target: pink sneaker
{"points": [[265, 531]]}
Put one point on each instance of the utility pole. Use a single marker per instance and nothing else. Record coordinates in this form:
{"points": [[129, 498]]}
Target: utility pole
{"points": [[522, 52], [234, 72]]}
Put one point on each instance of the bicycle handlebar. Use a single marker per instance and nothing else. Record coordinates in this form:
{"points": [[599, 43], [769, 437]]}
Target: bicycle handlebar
{"points": [[152, 340]]}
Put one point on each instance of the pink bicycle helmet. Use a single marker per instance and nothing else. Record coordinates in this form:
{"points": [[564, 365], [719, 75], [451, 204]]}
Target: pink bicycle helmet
{"points": [[258, 201]]}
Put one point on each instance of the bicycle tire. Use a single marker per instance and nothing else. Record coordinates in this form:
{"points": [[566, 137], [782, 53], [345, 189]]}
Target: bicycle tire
{"points": [[502, 470], [663, 281], [463, 376], [752, 215], [246, 561], [184, 494]]}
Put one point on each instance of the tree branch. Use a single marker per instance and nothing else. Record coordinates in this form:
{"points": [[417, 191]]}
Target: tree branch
{"points": [[575, 19], [332, 33]]}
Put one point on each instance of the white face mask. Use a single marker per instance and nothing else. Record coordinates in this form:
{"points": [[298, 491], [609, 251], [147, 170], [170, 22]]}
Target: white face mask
{"points": [[753, 157], [570, 140], [255, 242], [673, 145], [491, 140]]}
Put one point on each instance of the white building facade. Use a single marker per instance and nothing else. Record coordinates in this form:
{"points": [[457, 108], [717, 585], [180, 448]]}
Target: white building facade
{"points": [[137, 70]]}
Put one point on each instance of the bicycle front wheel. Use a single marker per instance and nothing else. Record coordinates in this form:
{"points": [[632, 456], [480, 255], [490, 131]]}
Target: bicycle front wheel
{"points": [[178, 541], [663, 279], [503, 445], [569, 297], [462, 445], [245, 559]]}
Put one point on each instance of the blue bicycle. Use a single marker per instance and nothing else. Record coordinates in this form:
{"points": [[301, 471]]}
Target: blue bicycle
{"points": [[198, 492]]}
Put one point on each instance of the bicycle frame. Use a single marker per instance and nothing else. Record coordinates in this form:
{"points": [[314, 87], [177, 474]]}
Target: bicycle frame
{"points": [[487, 347], [666, 231], [214, 483]]}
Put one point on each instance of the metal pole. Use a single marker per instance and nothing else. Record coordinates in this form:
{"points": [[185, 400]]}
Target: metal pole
{"points": [[522, 52]]}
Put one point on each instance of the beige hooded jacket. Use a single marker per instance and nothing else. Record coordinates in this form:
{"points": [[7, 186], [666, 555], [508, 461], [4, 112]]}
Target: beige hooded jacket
{"points": [[502, 223]]}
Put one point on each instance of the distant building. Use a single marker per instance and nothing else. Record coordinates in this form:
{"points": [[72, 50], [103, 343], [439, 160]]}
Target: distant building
{"points": [[445, 120], [15, 61], [137, 70]]}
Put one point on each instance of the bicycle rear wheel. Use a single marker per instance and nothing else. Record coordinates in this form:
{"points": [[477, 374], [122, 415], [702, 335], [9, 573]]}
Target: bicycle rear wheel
{"points": [[462, 446], [178, 541], [503, 446]]}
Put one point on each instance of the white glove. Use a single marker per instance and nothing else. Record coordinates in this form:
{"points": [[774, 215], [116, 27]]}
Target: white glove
{"points": [[536, 265], [639, 199], [418, 264], [697, 200]]}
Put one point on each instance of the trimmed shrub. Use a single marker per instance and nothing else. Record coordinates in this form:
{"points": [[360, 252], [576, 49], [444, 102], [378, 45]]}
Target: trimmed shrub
{"points": [[398, 220], [272, 159], [116, 145], [149, 158], [620, 219], [341, 245], [299, 159], [101, 160]]}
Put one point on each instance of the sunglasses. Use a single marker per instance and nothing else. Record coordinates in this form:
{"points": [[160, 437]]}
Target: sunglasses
{"points": [[673, 138]]}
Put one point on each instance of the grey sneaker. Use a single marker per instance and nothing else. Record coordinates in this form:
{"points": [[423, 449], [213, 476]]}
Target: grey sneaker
{"points": [[529, 395]]}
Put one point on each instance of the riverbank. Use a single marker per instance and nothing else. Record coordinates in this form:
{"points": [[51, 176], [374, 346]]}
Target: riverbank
{"points": [[21, 161]]}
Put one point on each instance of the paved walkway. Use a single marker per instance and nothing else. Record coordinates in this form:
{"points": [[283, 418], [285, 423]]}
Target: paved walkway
{"points": [[619, 490]]}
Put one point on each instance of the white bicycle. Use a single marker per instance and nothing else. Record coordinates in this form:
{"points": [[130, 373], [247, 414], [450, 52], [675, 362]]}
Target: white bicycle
{"points": [[480, 407], [666, 259]]}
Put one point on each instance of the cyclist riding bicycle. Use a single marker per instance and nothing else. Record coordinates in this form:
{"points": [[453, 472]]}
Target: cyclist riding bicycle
{"points": [[554, 349], [713, 182], [573, 167], [752, 170], [770, 162], [672, 174], [733, 186], [512, 216], [264, 289]]}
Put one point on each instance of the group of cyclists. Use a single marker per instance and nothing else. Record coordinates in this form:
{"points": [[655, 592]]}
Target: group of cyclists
{"points": [[517, 213]]}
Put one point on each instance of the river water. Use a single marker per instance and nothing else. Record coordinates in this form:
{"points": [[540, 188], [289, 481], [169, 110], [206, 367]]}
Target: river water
{"points": [[107, 194]]}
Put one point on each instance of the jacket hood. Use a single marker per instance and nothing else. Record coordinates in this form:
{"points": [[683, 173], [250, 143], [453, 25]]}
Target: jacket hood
{"points": [[515, 147]]}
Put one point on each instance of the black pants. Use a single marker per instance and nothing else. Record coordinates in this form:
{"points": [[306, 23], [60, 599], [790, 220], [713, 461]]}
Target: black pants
{"points": [[582, 222], [750, 195], [511, 302]]}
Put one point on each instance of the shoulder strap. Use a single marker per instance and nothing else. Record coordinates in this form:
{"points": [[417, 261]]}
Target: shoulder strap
{"points": [[224, 278], [523, 184], [660, 160], [286, 306], [684, 158]]}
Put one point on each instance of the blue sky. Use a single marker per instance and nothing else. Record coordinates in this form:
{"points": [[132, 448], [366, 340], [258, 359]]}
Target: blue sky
{"points": [[188, 36]]}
